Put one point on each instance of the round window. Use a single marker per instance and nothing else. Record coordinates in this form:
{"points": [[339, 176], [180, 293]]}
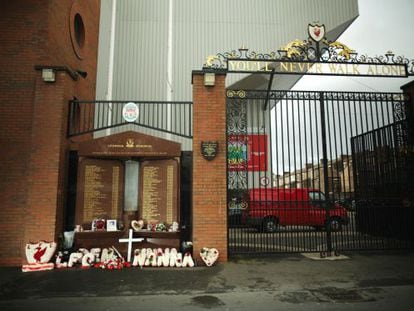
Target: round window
{"points": [[79, 30]]}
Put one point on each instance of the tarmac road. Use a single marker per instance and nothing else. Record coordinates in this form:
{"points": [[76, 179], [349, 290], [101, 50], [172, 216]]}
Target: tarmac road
{"points": [[370, 281], [307, 239]]}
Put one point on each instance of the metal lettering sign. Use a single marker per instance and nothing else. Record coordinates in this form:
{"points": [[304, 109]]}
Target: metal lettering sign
{"points": [[314, 56], [320, 68], [209, 149]]}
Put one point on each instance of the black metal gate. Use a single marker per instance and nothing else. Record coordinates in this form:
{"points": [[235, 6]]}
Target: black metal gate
{"points": [[317, 172]]}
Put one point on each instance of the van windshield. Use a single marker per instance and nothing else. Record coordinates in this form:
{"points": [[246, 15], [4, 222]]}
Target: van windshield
{"points": [[316, 196]]}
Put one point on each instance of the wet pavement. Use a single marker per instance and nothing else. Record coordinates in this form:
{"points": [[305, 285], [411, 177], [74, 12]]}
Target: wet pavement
{"points": [[365, 281]]}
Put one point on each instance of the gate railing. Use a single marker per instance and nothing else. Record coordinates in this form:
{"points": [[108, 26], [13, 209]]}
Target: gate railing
{"points": [[304, 144], [167, 117]]}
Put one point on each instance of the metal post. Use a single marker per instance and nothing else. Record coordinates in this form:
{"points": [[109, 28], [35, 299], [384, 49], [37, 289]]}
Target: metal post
{"points": [[325, 173], [269, 87]]}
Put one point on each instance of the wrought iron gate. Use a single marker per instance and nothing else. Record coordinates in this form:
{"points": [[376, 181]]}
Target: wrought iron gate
{"points": [[317, 172]]}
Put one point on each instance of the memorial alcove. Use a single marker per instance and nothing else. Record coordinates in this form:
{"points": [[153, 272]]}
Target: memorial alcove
{"points": [[124, 177]]}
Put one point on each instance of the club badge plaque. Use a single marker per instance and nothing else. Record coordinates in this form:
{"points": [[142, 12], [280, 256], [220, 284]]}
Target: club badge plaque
{"points": [[209, 149]]}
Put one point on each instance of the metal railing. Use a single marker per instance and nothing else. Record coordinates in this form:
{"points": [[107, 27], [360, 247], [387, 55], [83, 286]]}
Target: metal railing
{"points": [[168, 117], [350, 146]]}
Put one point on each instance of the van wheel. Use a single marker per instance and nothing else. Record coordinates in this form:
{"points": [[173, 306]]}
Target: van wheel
{"points": [[270, 225], [335, 224]]}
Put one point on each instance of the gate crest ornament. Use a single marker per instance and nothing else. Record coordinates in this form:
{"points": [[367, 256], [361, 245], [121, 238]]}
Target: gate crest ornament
{"points": [[316, 32]]}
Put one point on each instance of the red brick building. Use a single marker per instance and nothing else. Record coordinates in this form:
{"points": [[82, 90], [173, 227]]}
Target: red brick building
{"points": [[48, 56], [49, 40]]}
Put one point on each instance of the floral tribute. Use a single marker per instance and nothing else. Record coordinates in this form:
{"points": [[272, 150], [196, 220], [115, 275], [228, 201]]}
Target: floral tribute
{"points": [[107, 258], [138, 225], [209, 255], [147, 257], [111, 259], [41, 253], [38, 256]]}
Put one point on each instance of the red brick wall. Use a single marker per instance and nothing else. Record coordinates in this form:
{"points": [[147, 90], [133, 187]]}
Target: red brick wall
{"points": [[21, 32], [33, 116], [60, 48], [46, 175], [209, 177]]}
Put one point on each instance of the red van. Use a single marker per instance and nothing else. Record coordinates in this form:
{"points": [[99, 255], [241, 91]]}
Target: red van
{"points": [[270, 208]]}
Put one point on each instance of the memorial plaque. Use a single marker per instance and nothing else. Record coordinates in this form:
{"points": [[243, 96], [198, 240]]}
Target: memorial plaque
{"points": [[159, 191], [129, 144], [100, 190]]}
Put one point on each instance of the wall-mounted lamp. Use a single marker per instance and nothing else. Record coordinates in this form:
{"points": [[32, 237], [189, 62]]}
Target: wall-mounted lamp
{"points": [[209, 79], [48, 75], [49, 72], [83, 74]]}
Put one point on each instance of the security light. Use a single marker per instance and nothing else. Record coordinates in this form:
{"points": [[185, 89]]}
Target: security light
{"points": [[48, 75]]}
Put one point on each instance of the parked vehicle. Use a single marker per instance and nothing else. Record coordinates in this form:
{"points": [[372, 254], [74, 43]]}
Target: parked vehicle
{"points": [[270, 208], [235, 212]]}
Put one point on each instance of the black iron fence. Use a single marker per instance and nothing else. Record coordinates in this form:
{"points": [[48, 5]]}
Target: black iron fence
{"points": [[379, 163], [294, 174], [383, 182], [167, 117]]}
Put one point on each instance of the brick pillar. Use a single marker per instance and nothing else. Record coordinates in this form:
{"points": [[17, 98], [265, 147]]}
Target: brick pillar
{"points": [[46, 175], [209, 177]]}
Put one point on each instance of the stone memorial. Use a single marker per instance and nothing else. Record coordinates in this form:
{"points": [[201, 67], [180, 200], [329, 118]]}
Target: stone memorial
{"points": [[159, 191], [121, 173], [100, 190]]}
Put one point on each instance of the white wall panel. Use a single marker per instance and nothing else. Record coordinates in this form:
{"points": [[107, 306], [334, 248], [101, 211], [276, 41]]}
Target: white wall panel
{"points": [[200, 28]]}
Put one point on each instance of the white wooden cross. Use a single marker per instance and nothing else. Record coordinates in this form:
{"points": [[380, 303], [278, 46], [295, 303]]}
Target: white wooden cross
{"points": [[130, 240]]}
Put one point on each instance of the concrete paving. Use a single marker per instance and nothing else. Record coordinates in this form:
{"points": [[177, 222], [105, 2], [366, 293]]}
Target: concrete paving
{"points": [[364, 281]]}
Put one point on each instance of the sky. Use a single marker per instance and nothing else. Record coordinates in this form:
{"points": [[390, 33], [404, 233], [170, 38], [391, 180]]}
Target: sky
{"points": [[382, 25]]}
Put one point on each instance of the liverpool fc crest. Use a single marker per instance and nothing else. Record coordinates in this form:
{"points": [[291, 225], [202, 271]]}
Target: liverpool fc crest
{"points": [[316, 32]]}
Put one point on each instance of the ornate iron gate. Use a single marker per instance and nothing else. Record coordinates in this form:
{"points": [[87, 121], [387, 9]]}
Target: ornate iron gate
{"points": [[302, 167]]}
